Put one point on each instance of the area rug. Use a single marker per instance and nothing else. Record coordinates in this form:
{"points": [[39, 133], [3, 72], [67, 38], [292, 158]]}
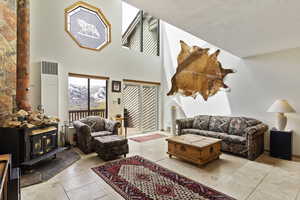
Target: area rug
{"points": [[47, 169], [146, 138], [138, 178]]}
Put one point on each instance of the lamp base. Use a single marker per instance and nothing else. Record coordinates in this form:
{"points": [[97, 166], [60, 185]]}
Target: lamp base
{"points": [[281, 121]]}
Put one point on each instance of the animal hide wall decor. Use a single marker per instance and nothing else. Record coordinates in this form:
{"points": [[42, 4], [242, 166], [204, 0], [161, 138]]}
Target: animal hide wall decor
{"points": [[198, 72]]}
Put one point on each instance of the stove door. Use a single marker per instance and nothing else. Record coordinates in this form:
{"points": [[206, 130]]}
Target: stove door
{"points": [[36, 146], [49, 141]]}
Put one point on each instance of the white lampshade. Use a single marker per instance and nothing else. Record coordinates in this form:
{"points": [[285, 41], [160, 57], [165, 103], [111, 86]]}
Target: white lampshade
{"points": [[281, 106]]}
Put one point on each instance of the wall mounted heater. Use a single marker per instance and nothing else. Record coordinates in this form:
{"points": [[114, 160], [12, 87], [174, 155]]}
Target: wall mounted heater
{"points": [[50, 88]]}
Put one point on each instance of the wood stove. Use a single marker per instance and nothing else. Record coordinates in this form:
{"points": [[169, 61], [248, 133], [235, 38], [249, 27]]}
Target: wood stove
{"points": [[42, 141], [29, 146]]}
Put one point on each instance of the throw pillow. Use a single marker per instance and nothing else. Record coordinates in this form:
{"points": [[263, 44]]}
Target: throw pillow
{"points": [[201, 122], [109, 125], [237, 126], [219, 124]]}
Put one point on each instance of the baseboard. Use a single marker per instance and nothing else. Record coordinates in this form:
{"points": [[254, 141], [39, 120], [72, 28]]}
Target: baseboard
{"points": [[296, 156]]}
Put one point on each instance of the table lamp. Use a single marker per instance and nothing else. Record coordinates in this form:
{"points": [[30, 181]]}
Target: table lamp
{"points": [[280, 107]]}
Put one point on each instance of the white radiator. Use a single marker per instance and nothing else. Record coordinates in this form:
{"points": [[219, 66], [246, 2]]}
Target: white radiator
{"points": [[49, 88]]}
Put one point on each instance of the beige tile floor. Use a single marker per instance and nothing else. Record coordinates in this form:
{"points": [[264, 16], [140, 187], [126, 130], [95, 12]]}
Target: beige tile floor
{"points": [[264, 179]]}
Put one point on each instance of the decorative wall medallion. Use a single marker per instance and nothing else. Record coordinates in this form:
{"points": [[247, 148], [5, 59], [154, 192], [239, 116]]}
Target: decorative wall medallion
{"points": [[87, 26]]}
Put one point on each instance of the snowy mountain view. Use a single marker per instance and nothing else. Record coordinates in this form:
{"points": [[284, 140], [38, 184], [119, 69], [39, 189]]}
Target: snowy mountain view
{"points": [[78, 94]]}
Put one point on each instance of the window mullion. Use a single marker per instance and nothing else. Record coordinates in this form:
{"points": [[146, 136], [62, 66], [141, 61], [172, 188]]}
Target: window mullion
{"points": [[142, 30], [89, 92]]}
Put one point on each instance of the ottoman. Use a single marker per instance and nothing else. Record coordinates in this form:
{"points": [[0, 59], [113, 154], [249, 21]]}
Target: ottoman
{"points": [[111, 146]]}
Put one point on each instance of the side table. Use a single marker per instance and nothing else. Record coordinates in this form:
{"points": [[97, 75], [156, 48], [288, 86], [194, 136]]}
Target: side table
{"points": [[281, 144]]}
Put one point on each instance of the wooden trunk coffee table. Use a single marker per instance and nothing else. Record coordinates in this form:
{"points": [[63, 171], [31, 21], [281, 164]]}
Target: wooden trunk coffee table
{"points": [[194, 148]]}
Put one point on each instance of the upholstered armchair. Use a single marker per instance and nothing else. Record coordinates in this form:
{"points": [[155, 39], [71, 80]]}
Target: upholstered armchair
{"points": [[90, 127]]}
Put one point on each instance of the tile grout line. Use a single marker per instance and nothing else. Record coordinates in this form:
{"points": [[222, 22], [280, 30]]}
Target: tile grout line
{"points": [[65, 191], [254, 189], [76, 188], [160, 160], [298, 195]]}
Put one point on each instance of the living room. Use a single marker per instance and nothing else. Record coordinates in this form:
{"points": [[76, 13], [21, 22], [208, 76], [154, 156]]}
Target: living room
{"points": [[95, 102]]}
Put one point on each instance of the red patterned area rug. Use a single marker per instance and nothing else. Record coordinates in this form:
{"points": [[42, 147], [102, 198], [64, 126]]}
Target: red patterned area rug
{"points": [[136, 178], [147, 137]]}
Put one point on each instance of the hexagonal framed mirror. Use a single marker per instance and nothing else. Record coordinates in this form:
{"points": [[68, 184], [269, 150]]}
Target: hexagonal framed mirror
{"points": [[87, 26]]}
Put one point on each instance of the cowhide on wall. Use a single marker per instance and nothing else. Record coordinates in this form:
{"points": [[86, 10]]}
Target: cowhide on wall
{"points": [[8, 59], [198, 72]]}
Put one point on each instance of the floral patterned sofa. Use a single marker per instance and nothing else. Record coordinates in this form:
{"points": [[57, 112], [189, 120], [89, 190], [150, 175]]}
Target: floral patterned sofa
{"points": [[91, 127], [240, 135]]}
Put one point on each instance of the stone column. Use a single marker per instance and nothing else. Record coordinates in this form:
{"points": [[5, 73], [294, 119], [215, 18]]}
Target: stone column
{"points": [[23, 55]]}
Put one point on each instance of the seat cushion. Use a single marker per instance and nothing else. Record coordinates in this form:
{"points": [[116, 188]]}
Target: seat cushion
{"points": [[224, 136], [100, 133], [110, 141], [232, 138], [201, 132], [219, 124], [201, 122], [192, 131]]}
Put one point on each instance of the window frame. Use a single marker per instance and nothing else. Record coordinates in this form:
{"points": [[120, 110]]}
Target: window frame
{"points": [[140, 15], [89, 77]]}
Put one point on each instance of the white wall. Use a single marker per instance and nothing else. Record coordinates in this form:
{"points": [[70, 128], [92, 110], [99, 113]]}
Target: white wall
{"points": [[258, 82], [50, 42], [263, 79]]}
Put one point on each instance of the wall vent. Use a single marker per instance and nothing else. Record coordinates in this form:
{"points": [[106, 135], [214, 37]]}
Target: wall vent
{"points": [[49, 68]]}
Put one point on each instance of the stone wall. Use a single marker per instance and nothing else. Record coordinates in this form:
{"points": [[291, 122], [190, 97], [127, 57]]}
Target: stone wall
{"points": [[8, 40]]}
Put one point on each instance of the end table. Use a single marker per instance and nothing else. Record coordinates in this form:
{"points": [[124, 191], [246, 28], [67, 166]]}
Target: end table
{"points": [[281, 144]]}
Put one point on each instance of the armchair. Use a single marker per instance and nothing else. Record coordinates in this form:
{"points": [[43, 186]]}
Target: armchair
{"points": [[90, 127]]}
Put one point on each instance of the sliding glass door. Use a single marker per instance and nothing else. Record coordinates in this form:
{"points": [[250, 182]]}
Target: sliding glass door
{"points": [[142, 104], [150, 111], [87, 97]]}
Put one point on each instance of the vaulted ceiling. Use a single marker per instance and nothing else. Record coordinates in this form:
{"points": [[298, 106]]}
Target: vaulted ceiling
{"points": [[244, 28]]}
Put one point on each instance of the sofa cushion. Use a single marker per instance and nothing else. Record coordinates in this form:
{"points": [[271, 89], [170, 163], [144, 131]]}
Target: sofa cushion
{"points": [[201, 132], [100, 124], [237, 126], [232, 138], [210, 134], [96, 123], [201, 122], [224, 136], [109, 125], [191, 131], [219, 124], [185, 123], [100, 133]]}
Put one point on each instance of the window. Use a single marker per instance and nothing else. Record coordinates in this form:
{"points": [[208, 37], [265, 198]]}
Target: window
{"points": [[140, 30], [87, 96]]}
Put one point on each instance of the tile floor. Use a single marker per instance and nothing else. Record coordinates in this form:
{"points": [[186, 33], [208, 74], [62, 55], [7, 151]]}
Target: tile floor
{"points": [[264, 179]]}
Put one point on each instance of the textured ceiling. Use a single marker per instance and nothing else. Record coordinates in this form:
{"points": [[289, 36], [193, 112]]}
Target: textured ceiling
{"points": [[244, 28]]}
